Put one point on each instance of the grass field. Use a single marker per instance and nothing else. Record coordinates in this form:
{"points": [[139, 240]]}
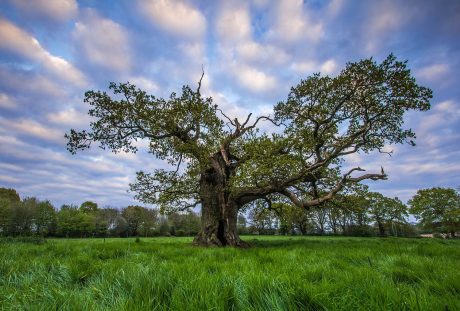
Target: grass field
{"points": [[277, 273]]}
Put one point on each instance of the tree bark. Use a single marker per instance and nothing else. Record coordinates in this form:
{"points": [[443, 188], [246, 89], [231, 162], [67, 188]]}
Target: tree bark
{"points": [[381, 228], [218, 212]]}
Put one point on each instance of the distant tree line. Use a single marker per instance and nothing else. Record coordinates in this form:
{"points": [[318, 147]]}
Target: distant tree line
{"points": [[31, 216], [360, 213], [353, 215]]}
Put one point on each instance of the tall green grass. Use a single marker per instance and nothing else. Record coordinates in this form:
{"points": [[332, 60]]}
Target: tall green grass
{"points": [[276, 273]]}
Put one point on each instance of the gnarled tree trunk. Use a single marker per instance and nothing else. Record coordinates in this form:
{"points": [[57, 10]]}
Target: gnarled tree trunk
{"points": [[218, 211]]}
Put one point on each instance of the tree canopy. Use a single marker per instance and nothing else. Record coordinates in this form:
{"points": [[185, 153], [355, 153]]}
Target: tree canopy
{"points": [[222, 163], [437, 208]]}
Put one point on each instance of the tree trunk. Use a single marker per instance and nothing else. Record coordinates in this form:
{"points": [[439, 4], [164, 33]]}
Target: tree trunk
{"points": [[381, 228], [218, 212]]}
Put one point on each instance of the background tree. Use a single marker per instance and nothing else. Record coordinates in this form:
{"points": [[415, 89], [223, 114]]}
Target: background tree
{"points": [[9, 194], [263, 219], [88, 207], [22, 216], [184, 223], [140, 220], [6, 210], [287, 214], [437, 208], [44, 218], [333, 217], [163, 226], [354, 218], [378, 210], [223, 164], [120, 226], [192, 222], [134, 217], [242, 224], [319, 217], [8, 198], [386, 212], [396, 217], [72, 222]]}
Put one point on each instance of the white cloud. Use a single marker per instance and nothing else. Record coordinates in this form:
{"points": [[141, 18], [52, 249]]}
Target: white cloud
{"points": [[59, 10], [8, 179], [16, 40], [234, 24], [440, 118], [144, 84], [69, 117], [328, 67], [253, 79], [57, 176], [175, 16], [31, 128], [308, 66], [244, 59], [30, 84], [449, 107], [387, 18], [334, 7], [11, 167], [103, 42], [433, 72], [383, 22], [254, 52], [294, 23], [194, 50], [6, 101]]}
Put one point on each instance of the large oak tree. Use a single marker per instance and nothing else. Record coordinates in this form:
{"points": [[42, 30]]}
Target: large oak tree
{"points": [[222, 164]]}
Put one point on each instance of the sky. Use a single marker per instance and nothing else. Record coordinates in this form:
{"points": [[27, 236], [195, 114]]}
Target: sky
{"points": [[252, 52]]}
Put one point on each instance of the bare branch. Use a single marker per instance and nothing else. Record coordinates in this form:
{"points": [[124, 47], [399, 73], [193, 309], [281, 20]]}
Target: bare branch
{"points": [[387, 152], [247, 120], [201, 79], [230, 120], [178, 164]]}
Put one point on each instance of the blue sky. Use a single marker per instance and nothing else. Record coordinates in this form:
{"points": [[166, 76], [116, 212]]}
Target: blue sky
{"points": [[52, 51]]}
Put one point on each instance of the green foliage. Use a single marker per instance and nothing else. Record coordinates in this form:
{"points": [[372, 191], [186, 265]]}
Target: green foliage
{"points": [[5, 215], [277, 273], [241, 224], [140, 220], [9, 194], [437, 208], [263, 220], [372, 98], [45, 219], [184, 224], [88, 207], [72, 222], [179, 128], [385, 210], [27, 217]]}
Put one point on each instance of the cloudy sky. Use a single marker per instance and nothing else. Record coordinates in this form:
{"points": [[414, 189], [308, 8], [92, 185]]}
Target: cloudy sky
{"points": [[51, 51]]}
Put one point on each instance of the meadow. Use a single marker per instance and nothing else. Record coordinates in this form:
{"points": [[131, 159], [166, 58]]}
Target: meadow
{"points": [[276, 273]]}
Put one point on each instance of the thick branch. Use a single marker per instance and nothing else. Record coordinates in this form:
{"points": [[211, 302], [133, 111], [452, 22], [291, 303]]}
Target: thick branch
{"points": [[339, 186]]}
